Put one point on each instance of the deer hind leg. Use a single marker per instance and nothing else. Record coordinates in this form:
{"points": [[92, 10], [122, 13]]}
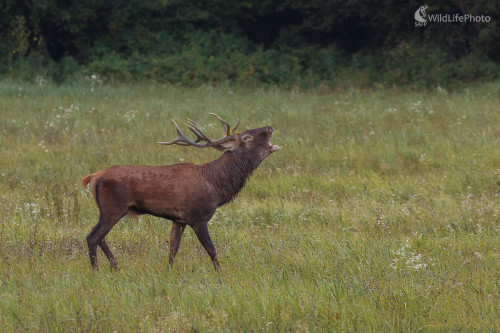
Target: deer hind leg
{"points": [[201, 231], [112, 201], [96, 237], [175, 240], [112, 261]]}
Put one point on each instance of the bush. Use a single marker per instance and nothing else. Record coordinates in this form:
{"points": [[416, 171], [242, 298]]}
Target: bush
{"points": [[287, 43], [423, 65]]}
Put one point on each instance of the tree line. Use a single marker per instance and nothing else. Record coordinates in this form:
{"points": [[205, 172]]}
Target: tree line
{"points": [[279, 42]]}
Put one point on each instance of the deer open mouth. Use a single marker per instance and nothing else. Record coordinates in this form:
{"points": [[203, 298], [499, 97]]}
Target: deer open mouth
{"points": [[273, 148]]}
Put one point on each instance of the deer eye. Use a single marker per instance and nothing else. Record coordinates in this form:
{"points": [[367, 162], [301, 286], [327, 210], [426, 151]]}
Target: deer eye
{"points": [[247, 137]]}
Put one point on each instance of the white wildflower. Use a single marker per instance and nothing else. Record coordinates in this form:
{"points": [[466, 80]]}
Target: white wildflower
{"points": [[406, 259]]}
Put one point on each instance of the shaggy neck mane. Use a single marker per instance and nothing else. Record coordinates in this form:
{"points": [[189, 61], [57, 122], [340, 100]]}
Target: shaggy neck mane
{"points": [[229, 173]]}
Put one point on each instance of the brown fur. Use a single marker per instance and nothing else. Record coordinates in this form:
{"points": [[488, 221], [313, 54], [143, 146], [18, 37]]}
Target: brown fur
{"points": [[186, 193]]}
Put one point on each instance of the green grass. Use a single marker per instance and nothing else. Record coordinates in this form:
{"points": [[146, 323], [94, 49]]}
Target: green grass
{"points": [[380, 213]]}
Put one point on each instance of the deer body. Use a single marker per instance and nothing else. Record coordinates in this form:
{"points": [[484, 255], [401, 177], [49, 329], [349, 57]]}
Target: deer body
{"points": [[186, 193]]}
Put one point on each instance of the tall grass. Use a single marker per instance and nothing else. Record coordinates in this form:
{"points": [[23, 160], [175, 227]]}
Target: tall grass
{"points": [[380, 213]]}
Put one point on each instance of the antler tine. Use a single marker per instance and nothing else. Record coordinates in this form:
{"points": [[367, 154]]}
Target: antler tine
{"points": [[197, 131], [227, 127], [235, 127], [211, 142], [183, 140], [199, 138]]}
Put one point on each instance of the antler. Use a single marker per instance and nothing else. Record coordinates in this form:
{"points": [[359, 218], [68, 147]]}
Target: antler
{"points": [[183, 140], [226, 124]]}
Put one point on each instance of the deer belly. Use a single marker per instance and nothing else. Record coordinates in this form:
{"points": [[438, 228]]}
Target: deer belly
{"points": [[157, 208]]}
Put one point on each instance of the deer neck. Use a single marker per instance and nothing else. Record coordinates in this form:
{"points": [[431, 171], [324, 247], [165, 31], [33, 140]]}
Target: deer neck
{"points": [[229, 173]]}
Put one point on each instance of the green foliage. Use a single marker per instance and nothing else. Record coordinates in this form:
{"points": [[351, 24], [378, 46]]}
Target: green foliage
{"points": [[20, 36], [287, 42], [209, 59], [421, 65], [379, 214]]}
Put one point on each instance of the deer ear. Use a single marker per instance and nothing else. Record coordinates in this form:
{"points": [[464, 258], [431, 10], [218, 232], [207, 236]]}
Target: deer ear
{"points": [[227, 146]]}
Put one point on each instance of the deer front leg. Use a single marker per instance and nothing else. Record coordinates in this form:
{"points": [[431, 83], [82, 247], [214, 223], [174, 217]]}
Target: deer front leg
{"points": [[201, 231], [175, 240]]}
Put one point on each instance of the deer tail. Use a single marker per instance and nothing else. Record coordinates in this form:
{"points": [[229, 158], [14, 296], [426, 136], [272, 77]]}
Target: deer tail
{"points": [[86, 180]]}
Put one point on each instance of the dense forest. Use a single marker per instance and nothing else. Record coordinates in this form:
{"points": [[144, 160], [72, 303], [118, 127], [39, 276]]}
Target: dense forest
{"points": [[267, 41]]}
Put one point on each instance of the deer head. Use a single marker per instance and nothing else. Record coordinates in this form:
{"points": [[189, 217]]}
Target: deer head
{"points": [[255, 140]]}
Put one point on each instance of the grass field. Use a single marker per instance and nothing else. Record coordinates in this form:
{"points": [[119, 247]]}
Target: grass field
{"points": [[380, 213]]}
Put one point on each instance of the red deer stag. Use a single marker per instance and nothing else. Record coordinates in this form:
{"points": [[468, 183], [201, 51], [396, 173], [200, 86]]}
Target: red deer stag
{"points": [[186, 193]]}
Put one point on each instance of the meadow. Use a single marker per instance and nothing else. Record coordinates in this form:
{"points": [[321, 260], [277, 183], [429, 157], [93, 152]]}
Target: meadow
{"points": [[380, 213]]}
